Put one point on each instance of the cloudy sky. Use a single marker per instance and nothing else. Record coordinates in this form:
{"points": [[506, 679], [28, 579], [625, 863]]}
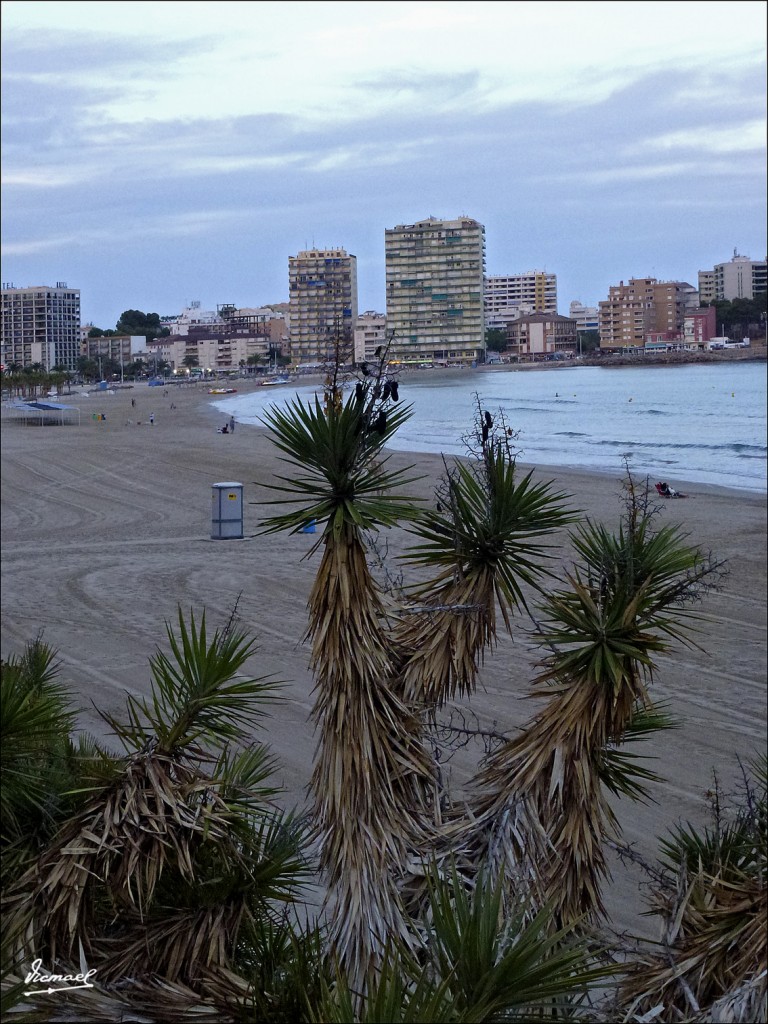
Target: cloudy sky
{"points": [[156, 153]]}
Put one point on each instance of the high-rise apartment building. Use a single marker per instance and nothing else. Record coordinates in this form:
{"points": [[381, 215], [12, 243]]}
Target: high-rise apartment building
{"points": [[641, 307], [532, 292], [435, 308], [40, 325], [323, 305]]}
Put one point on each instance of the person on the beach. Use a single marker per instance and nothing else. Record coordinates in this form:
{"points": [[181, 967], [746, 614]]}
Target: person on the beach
{"points": [[151, 419], [231, 424]]}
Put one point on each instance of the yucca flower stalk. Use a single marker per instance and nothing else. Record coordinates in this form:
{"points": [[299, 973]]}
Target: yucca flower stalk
{"points": [[540, 808], [371, 770], [486, 541]]}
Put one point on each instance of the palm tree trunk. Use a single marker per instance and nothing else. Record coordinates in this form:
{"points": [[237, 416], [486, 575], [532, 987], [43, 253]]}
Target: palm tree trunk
{"points": [[371, 771]]}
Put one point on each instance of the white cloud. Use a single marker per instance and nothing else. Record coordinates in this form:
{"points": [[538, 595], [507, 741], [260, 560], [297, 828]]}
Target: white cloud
{"points": [[305, 59], [744, 137], [47, 177]]}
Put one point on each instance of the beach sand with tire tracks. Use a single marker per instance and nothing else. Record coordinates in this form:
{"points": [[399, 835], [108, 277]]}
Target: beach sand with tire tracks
{"points": [[106, 532]]}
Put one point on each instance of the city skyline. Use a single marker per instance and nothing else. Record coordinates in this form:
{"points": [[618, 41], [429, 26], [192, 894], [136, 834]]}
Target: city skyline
{"points": [[161, 159]]}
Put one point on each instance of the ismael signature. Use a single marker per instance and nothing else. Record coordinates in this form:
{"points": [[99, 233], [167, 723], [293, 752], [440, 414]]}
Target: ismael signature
{"points": [[56, 982]]}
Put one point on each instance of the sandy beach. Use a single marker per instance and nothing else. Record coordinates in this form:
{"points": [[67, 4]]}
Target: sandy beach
{"points": [[106, 531]]}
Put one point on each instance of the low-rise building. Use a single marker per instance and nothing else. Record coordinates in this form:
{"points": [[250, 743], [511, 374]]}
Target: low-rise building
{"points": [[216, 348], [119, 348], [540, 336], [370, 336], [587, 317]]}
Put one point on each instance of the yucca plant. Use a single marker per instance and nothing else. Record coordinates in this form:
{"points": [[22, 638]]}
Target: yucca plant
{"points": [[475, 961], [540, 805], [712, 901], [371, 770], [488, 538], [35, 722], [164, 865]]}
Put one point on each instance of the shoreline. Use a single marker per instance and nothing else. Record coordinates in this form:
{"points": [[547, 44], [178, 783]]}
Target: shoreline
{"points": [[106, 533], [447, 375]]}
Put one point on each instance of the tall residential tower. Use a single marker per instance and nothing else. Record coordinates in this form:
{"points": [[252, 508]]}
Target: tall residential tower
{"points": [[323, 313], [435, 270], [41, 325]]}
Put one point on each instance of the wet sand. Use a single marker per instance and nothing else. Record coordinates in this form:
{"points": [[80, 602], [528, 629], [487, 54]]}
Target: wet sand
{"points": [[106, 531]]}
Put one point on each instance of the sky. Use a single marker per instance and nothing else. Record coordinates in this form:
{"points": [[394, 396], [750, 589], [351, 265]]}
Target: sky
{"points": [[155, 153]]}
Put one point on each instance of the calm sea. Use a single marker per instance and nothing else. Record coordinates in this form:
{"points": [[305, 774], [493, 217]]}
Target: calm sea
{"points": [[703, 424]]}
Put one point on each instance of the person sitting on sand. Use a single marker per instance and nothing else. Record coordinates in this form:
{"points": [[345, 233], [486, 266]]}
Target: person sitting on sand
{"points": [[669, 492], [224, 429]]}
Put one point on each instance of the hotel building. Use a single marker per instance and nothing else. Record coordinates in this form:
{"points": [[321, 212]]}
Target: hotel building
{"points": [[40, 325], [434, 280], [323, 305]]}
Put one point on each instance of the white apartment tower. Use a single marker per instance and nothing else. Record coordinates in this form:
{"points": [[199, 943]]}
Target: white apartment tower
{"points": [[507, 297], [40, 325], [740, 278], [434, 273], [323, 305]]}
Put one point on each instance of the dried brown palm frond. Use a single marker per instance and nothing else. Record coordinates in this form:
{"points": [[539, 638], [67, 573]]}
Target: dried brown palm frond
{"points": [[714, 948], [136, 1001], [157, 813], [712, 902]]}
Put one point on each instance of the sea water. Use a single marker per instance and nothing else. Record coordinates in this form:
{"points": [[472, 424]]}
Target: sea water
{"points": [[702, 423]]}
